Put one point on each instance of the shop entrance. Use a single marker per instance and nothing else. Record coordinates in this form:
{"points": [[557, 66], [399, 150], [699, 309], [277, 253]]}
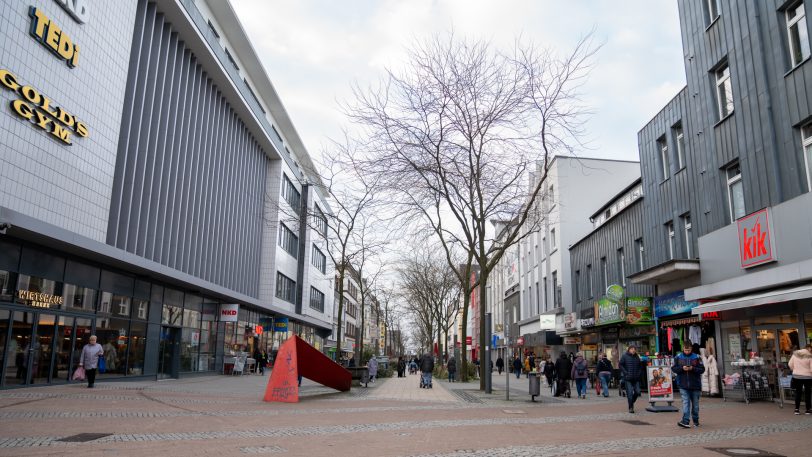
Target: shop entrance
{"points": [[170, 353], [775, 346]]}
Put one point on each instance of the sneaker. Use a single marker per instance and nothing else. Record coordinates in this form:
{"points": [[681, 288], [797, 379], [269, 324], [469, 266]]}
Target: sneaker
{"points": [[797, 412], [631, 410], [808, 412], [696, 424], [683, 425]]}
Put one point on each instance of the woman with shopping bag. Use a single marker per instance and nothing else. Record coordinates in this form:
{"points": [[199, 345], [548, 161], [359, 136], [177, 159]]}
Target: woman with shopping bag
{"points": [[89, 360]]}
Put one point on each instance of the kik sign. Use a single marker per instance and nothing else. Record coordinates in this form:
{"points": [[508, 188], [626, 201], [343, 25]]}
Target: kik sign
{"points": [[755, 239]]}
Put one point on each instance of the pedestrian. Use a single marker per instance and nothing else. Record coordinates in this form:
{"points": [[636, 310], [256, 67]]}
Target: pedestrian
{"points": [[604, 370], [500, 364], [580, 372], [426, 368], [631, 371], [517, 367], [563, 370], [801, 365], [689, 368], [260, 361], [401, 367], [89, 359], [372, 366], [490, 363], [527, 366], [532, 358], [452, 369], [549, 371]]}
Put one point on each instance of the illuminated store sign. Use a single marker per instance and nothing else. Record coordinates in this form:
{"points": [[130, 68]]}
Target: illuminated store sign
{"points": [[39, 300], [76, 8], [37, 108], [52, 37]]}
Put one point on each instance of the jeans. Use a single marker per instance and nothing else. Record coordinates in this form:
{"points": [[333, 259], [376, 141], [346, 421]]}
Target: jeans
{"points": [[690, 405], [451, 376], [426, 378], [806, 386], [632, 392], [580, 386], [605, 383], [518, 373]]}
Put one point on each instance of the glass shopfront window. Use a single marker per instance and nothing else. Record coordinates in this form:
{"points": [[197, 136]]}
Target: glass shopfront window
{"points": [[140, 309], [171, 315], [6, 362], [113, 334], [81, 299], [137, 345], [52, 290], [7, 282]]}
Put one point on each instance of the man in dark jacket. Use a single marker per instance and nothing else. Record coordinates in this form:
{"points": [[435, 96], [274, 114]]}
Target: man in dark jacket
{"points": [[604, 370], [500, 364], [689, 368], [452, 369], [631, 370], [563, 369], [517, 367], [426, 367]]}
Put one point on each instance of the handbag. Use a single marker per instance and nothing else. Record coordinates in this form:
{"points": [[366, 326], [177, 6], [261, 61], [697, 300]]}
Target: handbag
{"points": [[102, 365], [79, 374]]}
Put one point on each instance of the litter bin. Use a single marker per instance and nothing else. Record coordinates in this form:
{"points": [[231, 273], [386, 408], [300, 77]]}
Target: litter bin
{"points": [[535, 385], [365, 377]]}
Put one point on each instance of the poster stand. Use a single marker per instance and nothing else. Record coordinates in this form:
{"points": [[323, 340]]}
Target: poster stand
{"points": [[660, 386]]}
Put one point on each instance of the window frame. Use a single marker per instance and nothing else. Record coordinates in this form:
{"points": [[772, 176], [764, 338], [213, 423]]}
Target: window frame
{"points": [[553, 246], [798, 21], [806, 149], [679, 140], [315, 253], [724, 86], [687, 229], [589, 281], [577, 285], [732, 181], [604, 274], [280, 288], [670, 238], [288, 237], [712, 11], [665, 160], [621, 260], [320, 306], [641, 249]]}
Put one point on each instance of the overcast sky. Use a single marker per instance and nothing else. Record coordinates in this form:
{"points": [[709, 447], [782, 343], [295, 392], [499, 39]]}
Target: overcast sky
{"points": [[314, 50]]}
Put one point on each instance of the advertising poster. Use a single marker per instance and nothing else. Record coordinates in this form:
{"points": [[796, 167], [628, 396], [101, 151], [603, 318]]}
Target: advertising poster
{"points": [[660, 387], [638, 311]]}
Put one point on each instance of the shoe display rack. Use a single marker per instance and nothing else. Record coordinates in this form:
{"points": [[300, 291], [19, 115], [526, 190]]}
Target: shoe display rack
{"points": [[747, 383]]}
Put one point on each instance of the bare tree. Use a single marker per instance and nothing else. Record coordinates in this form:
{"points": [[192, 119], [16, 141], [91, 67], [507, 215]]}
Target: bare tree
{"points": [[454, 135]]}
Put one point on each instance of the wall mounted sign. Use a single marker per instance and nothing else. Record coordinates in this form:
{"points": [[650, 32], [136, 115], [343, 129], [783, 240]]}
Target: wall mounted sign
{"points": [[755, 239], [638, 310], [229, 312], [571, 321], [711, 316], [37, 108], [673, 303], [77, 9], [572, 340], [280, 324], [590, 322], [38, 299], [44, 30], [615, 293], [609, 312]]}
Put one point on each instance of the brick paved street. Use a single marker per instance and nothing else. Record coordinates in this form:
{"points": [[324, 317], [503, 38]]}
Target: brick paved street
{"points": [[223, 415]]}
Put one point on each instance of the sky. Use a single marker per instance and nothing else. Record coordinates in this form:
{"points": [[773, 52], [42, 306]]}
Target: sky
{"points": [[314, 50]]}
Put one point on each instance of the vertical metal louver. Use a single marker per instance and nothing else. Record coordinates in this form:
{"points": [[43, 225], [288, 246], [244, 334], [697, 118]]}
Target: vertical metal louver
{"points": [[190, 178]]}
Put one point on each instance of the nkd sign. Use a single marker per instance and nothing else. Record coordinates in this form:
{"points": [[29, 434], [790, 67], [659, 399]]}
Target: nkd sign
{"points": [[755, 239], [229, 312]]}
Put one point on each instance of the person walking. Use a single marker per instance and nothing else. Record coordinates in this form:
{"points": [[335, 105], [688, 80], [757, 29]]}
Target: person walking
{"points": [[372, 366], [452, 369], [630, 369], [563, 370], [401, 367], [89, 359], [689, 368], [517, 367], [604, 370], [580, 372], [500, 364], [801, 365], [527, 366], [549, 371], [426, 367]]}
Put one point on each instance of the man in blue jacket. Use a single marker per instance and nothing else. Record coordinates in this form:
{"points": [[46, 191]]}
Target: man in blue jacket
{"points": [[632, 371], [689, 368]]}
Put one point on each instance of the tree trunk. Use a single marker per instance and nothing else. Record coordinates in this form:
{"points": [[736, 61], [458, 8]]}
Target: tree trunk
{"points": [[483, 338], [466, 303]]}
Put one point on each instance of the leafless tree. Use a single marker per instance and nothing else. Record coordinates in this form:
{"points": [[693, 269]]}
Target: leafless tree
{"points": [[453, 136]]}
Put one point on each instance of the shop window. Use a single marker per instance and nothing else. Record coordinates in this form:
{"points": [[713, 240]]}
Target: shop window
{"points": [[136, 345], [115, 305], [113, 334], [171, 315], [51, 290], [8, 281], [79, 298]]}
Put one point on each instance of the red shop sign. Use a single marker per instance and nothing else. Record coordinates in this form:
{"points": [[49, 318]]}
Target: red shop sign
{"points": [[756, 239], [520, 341], [711, 316]]}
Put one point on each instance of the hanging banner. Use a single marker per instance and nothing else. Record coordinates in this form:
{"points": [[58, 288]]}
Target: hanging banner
{"points": [[229, 312], [673, 303], [280, 324], [660, 387], [609, 312]]}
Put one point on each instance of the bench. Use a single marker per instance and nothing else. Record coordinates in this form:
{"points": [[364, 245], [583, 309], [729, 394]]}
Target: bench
{"points": [[360, 373]]}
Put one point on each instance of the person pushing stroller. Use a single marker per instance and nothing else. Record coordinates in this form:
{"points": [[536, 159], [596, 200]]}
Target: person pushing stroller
{"points": [[426, 368]]}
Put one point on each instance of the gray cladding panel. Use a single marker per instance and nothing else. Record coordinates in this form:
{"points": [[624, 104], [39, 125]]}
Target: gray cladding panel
{"points": [[190, 179]]}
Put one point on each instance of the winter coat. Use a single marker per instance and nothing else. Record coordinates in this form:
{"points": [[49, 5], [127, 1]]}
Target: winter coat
{"points": [[372, 365], [427, 364], [517, 364], [692, 379], [630, 367], [563, 367], [90, 356], [604, 366], [452, 365], [401, 365], [500, 363], [801, 364], [549, 369], [580, 362]]}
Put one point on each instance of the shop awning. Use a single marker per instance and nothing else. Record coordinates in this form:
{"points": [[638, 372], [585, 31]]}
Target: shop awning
{"points": [[756, 299]]}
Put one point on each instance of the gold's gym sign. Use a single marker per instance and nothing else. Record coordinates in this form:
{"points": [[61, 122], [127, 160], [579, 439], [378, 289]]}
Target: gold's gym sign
{"points": [[37, 108]]}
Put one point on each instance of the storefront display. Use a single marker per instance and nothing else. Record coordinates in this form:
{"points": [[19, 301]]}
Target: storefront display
{"points": [[677, 327]]}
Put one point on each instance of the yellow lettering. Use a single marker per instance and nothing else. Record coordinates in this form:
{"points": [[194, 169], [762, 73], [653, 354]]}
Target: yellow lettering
{"points": [[65, 117], [9, 80], [43, 120], [75, 60], [40, 21], [46, 106], [61, 133], [32, 95], [65, 49], [52, 38], [22, 109], [81, 129]]}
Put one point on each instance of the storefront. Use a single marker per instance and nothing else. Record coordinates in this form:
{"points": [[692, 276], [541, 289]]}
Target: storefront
{"points": [[677, 327], [639, 329], [610, 315]]}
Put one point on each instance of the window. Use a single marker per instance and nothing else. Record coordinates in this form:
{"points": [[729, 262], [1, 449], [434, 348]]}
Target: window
{"points": [[231, 59], [290, 194], [686, 226], [662, 145], [552, 239], [319, 220], [577, 285], [724, 91], [621, 268], [316, 299], [251, 91], [285, 288], [735, 191], [604, 274], [640, 249], [538, 297], [557, 297], [552, 196], [669, 229], [712, 10], [352, 290], [806, 138], [546, 291], [319, 260], [213, 30], [288, 240], [589, 281], [679, 138], [797, 34]]}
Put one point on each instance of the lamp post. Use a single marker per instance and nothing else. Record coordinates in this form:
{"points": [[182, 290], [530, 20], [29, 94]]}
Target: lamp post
{"points": [[507, 345]]}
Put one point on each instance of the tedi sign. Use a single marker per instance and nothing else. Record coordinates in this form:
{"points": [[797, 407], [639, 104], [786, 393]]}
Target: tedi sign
{"points": [[755, 239], [35, 107], [44, 30]]}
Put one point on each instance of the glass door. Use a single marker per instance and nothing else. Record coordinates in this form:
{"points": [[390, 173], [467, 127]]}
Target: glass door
{"points": [[42, 349], [775, 346], [62, 349], [18, 348], [169, 360], [6, 360]]}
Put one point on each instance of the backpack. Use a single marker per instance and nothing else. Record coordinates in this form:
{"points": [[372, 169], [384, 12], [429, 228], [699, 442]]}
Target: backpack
{"points": [[580, 368]]}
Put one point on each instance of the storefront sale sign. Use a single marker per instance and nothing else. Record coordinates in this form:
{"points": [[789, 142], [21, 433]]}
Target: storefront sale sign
{"points": [[660, 387]]}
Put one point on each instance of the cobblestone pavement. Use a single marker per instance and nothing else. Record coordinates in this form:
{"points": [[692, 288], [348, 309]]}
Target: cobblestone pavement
{"points": [[222, 416]]}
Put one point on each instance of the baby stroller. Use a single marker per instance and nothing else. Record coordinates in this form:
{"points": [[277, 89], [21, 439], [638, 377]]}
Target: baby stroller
{"points": [[425, 381], [561, 387], [412, 368]]}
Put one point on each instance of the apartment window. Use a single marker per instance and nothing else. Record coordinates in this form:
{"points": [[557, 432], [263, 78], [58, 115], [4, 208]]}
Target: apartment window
{"points": [[724, 91], [213, 30], [735, 191], [806, 136], [290, 193], [319, 260], [577, 285], [679, 138], [316, 299], [712, 10], [640, 250], [319, 220], [797, 34], [530, 299], [686, 227], [288, 240], [231, 59], [662, 145], [590, 292], [604, 274], [546, 291], [352, 289], [557, 297], [285, 288], [538, 297], [552, 239], [669, 229], [552, 196], [621, 267]]}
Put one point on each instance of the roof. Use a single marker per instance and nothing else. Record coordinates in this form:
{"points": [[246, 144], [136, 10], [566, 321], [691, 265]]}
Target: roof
{"points": [[616, 197]]}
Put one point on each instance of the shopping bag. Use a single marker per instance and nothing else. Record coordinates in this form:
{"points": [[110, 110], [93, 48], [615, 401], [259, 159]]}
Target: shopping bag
{"points": [[102, 365], [79, 374]]}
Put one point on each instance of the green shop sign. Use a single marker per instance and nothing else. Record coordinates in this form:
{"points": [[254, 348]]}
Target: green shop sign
{"points": [[638, 310], [609, 312]]}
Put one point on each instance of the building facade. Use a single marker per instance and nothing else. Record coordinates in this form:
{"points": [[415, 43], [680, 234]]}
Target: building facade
{"points": [[153, 191]]}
